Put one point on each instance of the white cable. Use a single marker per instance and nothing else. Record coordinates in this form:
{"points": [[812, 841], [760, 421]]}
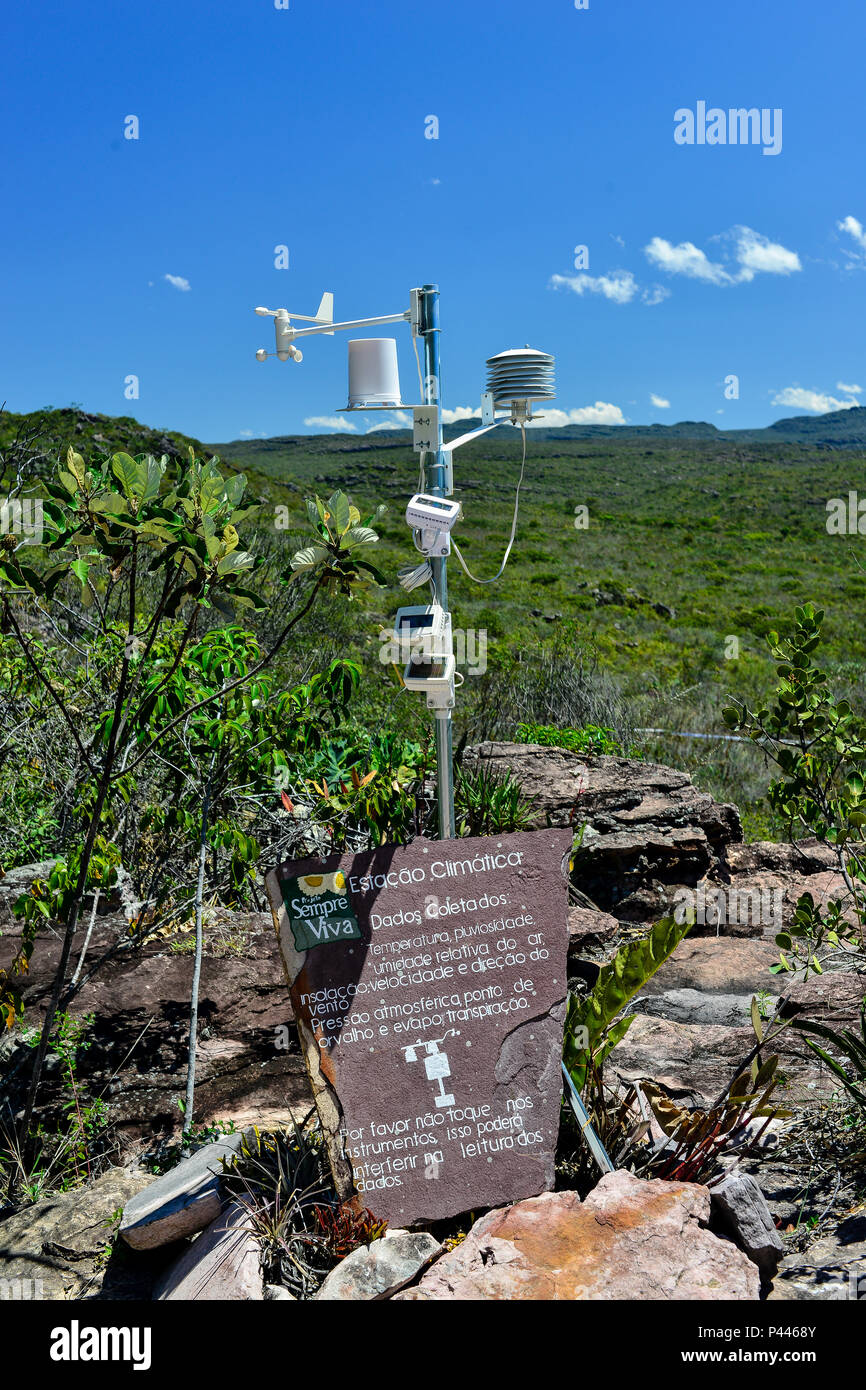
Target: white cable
{"points": [[513, 525], [411, 576]]}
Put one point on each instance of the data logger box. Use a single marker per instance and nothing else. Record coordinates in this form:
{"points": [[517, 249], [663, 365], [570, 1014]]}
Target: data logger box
{"points": [[433, 678], [422, 632], [426, 513]]}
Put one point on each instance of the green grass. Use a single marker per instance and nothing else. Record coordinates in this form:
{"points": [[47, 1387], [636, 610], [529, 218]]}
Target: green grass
{"points": [[726, 534]]}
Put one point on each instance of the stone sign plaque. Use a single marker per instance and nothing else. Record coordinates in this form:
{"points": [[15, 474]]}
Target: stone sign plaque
{"points": [[429, 987]]}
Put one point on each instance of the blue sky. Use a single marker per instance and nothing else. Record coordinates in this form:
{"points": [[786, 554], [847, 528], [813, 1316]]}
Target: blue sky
{"points": [[305, 127]]}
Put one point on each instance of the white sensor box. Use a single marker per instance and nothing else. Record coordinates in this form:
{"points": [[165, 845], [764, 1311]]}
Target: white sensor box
{"points": [[426, 513], [422, 633]]}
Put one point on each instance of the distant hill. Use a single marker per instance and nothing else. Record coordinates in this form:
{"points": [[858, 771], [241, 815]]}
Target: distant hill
{"points": [[50, 431], [840, 429]]}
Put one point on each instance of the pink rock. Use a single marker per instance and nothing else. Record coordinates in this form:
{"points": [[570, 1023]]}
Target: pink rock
{"points": [[631, 1239]]}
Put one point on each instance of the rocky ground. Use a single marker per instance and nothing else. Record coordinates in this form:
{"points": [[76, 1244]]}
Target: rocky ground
{"points": [[648, 838]]}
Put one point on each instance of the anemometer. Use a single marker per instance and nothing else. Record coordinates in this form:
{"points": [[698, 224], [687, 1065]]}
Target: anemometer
{"points": [[516, 379]]}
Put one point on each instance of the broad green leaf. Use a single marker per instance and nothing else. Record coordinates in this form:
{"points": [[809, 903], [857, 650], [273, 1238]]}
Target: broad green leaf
{"points": [[248, 599], [110, 503], [235, 561], [338, 505], [75, 464], [359, 535], [309, 557], [69, 482], [155, 468], [132, 476]]}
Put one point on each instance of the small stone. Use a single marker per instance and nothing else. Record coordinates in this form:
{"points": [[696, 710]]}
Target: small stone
{"points": [[740, 1209], [278, 1292], [377, 1270]]}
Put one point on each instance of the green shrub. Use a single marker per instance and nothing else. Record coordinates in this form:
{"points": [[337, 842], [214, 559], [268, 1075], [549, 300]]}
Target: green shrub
{"points": [[590, 739]]}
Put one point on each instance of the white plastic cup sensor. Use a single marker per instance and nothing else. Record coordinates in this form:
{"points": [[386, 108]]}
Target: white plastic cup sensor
{"points": [[373, 375]]}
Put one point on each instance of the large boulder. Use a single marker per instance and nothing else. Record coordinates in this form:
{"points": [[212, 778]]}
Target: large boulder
{"points": [[641, 821], [740, 1209], [249, 1067], [61, 1247], [630, 1239], [612, 794]]}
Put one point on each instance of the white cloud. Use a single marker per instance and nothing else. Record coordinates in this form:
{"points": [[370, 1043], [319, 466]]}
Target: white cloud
{"points": [[849, 390], [801, 399], [178, 281], [334, 423], [659, 401], [754, 254], [685, 259], [757, 254], [399, 420], [602, 413], [854, 229], [460, 412], [245, 434], [618, 239], [620, 286]]}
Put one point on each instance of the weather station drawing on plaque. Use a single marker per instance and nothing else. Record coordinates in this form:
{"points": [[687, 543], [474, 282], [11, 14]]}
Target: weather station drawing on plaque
{"points": [[436, 1064], [428, 983]]}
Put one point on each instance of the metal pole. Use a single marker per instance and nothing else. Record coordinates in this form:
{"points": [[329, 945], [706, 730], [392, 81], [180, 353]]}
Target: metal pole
{"points": [[435, 480]]}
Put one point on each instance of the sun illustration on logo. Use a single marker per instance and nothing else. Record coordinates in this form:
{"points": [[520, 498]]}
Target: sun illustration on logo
{"points": [[313, 885]]}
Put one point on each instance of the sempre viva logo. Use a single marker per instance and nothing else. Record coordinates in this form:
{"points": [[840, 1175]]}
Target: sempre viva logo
{"points": [[77, 1343]]}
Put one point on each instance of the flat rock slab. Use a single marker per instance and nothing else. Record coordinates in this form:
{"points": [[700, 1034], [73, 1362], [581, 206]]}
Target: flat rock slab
{"points": [[610, 793], [224, 1262], [378, 1270], [429, 987], [630, 1239], [718, 965], [694, 1006], [833, 1269], [180, 1202], [694, 1062]]}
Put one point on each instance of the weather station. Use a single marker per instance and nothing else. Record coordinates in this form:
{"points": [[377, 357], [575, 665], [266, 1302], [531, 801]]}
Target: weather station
{"points": [[516, 380]]}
